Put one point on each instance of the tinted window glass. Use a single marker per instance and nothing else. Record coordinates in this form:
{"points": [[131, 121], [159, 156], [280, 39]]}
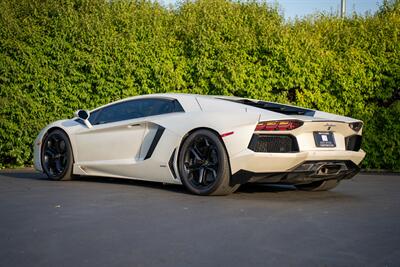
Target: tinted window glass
{"points": [[136, 109], [93, 116], [151, 107]]}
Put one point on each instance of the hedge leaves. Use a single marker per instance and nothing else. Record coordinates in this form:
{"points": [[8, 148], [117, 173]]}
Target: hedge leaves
{"points": [[59, 56]]}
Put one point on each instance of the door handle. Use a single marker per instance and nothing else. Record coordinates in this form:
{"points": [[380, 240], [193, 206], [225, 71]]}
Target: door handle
{"points": [[133, 125]]}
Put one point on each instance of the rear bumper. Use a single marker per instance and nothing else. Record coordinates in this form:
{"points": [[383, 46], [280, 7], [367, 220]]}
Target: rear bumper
{"points": [[306, 172], [295, 168]]}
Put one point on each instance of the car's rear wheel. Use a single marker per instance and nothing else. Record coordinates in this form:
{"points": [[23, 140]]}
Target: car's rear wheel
{"points": [[56, 156], [319, 186], [203, 164]]}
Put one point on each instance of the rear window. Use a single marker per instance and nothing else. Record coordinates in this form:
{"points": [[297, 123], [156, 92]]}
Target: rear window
{"points": [[275, 107]]}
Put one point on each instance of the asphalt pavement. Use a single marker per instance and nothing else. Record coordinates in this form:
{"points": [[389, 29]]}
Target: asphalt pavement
{"points": [[112, 222]]}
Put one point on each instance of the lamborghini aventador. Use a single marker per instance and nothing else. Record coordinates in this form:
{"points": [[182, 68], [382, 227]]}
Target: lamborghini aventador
{"points": [[210, 144]]}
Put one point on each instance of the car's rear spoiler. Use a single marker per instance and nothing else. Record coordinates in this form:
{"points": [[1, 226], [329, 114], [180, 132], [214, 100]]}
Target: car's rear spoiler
{"points": [[275, 107]]}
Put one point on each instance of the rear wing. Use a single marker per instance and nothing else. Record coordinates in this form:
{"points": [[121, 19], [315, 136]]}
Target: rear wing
{"points": [[274, 107], [292, 110]]}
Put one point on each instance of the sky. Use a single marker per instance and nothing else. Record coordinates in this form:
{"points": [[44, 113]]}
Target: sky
{"points": [[293, 8], [301, 8]]}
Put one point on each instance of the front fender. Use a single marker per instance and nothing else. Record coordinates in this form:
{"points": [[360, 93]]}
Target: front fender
{"points": [[37, 145]]}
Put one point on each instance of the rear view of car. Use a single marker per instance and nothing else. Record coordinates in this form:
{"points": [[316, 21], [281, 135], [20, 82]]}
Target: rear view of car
{"points": [[310, 149]]}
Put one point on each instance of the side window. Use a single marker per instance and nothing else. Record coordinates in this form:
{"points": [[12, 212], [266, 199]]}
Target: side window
{"points": [[93, 116], [134, 109], [118, 112], [152, 107]]}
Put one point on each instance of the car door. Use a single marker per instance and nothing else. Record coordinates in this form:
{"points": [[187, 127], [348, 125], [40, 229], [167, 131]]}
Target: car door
{"points": [[116, 138]]}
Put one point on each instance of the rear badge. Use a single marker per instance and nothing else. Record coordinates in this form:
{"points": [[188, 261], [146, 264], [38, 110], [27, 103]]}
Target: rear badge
{"points": [[329, 126]]}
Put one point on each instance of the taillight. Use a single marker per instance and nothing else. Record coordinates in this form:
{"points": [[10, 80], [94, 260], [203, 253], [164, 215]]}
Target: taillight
{"points": [[356, 126], [278, 125]]}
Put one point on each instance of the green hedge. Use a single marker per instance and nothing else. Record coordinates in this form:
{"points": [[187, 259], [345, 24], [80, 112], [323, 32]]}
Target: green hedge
{"points": [[61, 55]]}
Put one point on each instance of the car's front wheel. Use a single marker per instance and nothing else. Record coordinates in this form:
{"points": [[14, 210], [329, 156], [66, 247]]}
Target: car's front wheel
{"points": [[203, 164], [56, 156], [319, 186]]}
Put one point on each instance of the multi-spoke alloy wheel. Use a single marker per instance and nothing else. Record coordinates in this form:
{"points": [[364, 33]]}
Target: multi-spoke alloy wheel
{"points": [[203, 164], [57, 156]]}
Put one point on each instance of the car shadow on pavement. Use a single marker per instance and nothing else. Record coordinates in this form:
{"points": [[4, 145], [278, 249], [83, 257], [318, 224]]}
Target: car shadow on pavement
{"points": [[286, 193], [248, 188], [246, 191], [149, 184], [27, 173], [274, 188]]}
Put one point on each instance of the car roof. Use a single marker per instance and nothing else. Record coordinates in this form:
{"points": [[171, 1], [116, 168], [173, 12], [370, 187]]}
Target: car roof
{"points": [[178, 95]]}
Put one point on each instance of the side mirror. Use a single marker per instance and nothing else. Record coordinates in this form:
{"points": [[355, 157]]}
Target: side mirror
{"points": [[84, 116]]}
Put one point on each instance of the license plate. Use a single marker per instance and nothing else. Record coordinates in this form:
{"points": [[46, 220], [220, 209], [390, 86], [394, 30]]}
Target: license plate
{"points": [[324, 139]]}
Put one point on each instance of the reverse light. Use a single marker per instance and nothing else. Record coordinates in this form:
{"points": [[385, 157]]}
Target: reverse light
{"points": [[356, 126], [278, 125]]}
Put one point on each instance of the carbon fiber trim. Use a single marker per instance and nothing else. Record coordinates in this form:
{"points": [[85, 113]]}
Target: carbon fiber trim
{"points": [[171, 164], [154, 143]]}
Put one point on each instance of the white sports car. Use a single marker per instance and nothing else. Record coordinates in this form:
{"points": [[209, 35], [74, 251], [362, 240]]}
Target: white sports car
{"points": [[210, 144]]}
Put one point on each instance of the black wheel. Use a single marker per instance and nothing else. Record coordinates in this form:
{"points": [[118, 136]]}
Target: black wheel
{"points": [[57, 158], [318, 186], [203, 164]]}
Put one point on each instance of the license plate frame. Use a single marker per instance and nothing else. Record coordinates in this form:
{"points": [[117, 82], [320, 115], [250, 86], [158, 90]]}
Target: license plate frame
{"points": [[324, 139]]}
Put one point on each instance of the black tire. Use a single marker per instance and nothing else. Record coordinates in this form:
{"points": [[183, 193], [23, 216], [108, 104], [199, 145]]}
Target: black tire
{"points": [[56, 156], [203, 164], [319, 186]]}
